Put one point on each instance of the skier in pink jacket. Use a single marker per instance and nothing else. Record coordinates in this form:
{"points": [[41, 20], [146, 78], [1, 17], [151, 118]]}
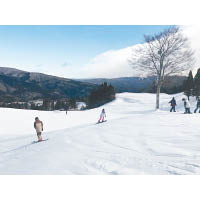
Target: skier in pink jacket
{"points": [[102, 116]]}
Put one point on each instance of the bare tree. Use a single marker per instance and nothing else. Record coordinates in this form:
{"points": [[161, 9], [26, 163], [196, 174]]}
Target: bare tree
{"points": [[164, 54]]}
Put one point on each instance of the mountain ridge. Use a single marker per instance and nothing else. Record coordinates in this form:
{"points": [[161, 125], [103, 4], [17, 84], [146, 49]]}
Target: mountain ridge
{"points": [[20, 85]]}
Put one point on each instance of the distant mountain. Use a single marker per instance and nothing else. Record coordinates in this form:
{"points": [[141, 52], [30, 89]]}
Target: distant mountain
{"points": [[124, 84], [137, 84], [21, 86]]}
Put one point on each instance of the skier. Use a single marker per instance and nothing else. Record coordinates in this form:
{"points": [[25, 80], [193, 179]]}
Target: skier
{"points": [[102, 116], [198, 106], [38, 125], [173, 104], [187, 106]]}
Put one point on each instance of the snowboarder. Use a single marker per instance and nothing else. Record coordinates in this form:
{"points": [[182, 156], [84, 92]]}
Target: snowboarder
{"points": [[173, 104], [187, 106], [198, 106], [102, 116], [38, 125]]}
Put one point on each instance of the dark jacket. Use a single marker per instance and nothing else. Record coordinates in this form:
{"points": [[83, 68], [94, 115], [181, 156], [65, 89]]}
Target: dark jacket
{"points": [[173, 102]]}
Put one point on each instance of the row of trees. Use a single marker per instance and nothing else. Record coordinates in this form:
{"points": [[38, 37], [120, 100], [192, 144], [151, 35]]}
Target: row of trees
{"points": [[191, 85], [59, 104], [172, 85], [46, 105], [103, 94], [99, 96]]}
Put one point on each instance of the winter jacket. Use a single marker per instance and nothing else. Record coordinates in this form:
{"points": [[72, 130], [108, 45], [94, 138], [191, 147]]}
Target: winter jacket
{"points": [[187, 104], [173, 102], [103, 114], [38, 125]]}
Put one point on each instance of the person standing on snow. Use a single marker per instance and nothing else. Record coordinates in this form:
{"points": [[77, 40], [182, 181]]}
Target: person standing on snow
{"points": [[102, 116], [198, 105], [38, 125], [173, 104], [187, 106]]}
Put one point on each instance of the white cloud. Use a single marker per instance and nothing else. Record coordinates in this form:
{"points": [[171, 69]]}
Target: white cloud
{"points": [[111, 64]]}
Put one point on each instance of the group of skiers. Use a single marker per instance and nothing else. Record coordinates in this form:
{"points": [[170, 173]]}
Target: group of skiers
{"points": [[186, 105], [38, 125]]}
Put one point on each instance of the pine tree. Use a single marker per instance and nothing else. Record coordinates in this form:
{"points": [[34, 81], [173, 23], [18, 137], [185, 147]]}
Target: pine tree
{"points": [[46, 105], [188, 85], [58, 105], [197, 84], [72, 103]]}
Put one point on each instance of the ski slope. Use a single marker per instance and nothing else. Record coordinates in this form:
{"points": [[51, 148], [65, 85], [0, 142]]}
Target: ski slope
{"points": [[136, 139]]}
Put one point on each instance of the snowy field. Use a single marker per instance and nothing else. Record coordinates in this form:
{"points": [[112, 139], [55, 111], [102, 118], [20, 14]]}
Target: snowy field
{"points": [[136, 139]]}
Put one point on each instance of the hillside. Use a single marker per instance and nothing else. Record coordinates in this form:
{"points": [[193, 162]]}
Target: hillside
{"points": [[21, 86], [136, 139], [138, 84]]}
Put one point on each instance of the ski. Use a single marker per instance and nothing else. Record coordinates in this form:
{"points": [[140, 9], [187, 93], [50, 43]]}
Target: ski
{"points": [[101, 122], [39, 141]]}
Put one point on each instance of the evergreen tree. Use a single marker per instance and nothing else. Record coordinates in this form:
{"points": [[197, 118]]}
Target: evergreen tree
{"points": [[26, 105], [58, 105], [46, 105], [66, 105], [72, 103], [32, 106], [188, 85], [197, 84]]}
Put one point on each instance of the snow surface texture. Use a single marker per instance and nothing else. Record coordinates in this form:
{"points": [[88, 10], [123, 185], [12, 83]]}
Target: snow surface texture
{"points": [[136, 139]]}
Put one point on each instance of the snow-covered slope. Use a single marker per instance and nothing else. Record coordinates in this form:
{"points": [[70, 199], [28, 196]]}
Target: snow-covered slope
{"points": [[136, 139]]}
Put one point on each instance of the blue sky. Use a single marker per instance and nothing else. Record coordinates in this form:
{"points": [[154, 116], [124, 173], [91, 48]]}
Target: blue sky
{"points": [[64, 50]]}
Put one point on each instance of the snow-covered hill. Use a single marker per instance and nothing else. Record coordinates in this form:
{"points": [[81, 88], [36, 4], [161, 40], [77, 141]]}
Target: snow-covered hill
{"points": [[136, 139]]}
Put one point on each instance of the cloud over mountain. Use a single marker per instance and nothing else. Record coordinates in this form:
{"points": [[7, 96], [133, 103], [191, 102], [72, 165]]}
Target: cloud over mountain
{"points": [[112, 64]]}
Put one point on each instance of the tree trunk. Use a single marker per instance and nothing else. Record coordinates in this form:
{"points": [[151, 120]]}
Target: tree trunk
{"points": [[158, 97]]}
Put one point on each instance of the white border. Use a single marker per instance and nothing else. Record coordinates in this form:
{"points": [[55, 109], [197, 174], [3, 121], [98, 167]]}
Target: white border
{"points": [[108, 12], [98, 12], [99, 187]]}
